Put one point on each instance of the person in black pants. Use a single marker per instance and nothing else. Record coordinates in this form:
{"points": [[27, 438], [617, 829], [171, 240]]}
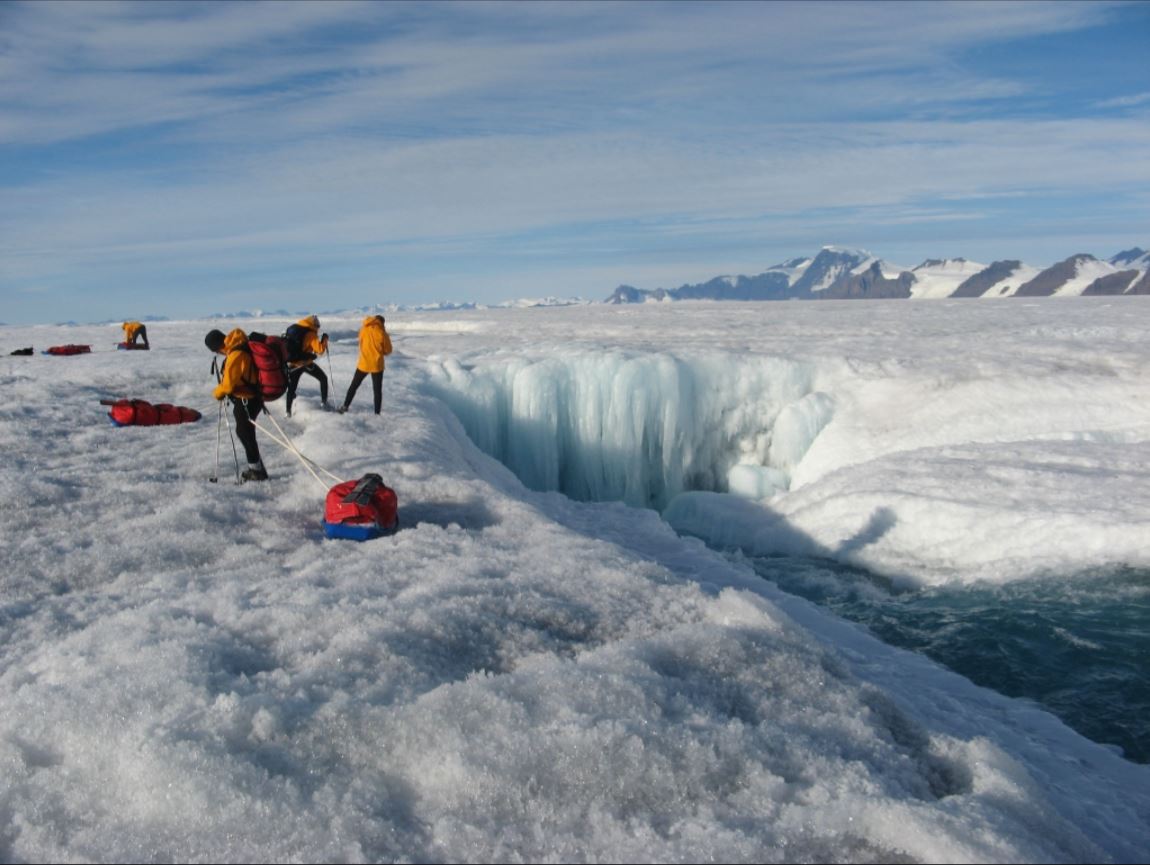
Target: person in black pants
{"points": [[239, 382], [374, 346], [134, 332], [304, 345]]}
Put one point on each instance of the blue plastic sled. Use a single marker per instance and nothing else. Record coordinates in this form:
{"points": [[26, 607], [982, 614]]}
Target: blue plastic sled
{"points": [[352, 531]]}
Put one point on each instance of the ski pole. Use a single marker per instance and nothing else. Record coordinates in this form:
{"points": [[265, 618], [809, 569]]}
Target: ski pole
{"points": [[219, 429], [330, 371], [232, 438]]}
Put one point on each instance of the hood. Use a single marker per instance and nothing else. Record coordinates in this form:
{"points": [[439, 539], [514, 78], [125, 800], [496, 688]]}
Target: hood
{"points": [[311, 322], [236, 339]]}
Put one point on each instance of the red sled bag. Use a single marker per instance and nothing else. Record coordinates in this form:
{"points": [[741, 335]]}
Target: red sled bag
{"points": [[269, 353], [138, 412], [131, 346], [360, 510], [170, 414], [71, 348]]}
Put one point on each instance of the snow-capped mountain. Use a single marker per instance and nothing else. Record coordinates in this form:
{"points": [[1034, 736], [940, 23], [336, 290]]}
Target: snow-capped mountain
{"points": [[828, 267], [942, 277], [1000, 279], [533, 302], [836, 274], [1070, 277]]}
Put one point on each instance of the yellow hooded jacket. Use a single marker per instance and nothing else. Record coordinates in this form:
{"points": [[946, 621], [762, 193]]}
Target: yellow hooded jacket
{"points": [[311, 341], [239, 378], [374, 344], [131, 328]]}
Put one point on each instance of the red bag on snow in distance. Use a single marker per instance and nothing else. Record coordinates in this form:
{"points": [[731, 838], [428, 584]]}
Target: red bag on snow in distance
{"points": [[138, 412], [71, 348]]}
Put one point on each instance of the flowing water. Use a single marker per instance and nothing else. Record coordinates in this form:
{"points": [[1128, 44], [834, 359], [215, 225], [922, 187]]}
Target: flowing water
{"points": [[1079, 646]]}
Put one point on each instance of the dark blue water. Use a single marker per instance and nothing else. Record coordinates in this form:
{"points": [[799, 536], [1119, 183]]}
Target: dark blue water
{"points": [[1079, 646]]}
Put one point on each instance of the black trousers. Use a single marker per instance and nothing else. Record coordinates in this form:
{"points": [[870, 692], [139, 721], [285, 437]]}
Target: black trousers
{"points": [[376, 388], [245, 412], [296, 374]]}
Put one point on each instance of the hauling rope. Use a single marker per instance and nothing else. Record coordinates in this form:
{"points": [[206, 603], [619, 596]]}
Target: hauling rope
{"points": [[357, 510], [255, 372]]}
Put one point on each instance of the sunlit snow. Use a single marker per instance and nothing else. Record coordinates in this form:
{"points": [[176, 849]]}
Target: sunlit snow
{"points": [[534, 668]]}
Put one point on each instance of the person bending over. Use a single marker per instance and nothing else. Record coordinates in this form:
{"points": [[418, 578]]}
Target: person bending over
{"points": [[304, 346], [134, 333], [239, 382]]}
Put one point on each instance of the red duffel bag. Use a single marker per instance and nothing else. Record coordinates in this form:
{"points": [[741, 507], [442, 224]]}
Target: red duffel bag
{"points": [[138, 412]]}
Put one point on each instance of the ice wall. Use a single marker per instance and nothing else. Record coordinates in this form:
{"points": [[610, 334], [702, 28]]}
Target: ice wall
{"points": [[639, 428]]}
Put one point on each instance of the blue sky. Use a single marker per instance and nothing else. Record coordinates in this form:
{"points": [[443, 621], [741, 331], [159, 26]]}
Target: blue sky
{"points": [[180, 159]]}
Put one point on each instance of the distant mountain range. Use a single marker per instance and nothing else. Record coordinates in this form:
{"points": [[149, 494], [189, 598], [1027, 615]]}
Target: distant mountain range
{"points": [[842, 274], [833, 274]]}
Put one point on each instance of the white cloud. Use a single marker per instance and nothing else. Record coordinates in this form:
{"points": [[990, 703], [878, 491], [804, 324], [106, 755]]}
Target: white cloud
{"points": [[72, 70], [235, 133], [1126, 101]]}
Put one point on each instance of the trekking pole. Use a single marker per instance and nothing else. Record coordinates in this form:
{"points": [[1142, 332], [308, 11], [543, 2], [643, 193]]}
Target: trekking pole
{"points": [[331, 372], [232, 438], [219, 429]]}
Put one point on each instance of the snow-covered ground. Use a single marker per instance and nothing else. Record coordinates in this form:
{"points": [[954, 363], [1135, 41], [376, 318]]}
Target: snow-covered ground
{"points": [[190, 671]]}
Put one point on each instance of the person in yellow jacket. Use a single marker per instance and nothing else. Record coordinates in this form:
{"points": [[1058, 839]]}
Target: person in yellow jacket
{"points": [[374, 346], [240, 383], [134, 331], [304, 345]]}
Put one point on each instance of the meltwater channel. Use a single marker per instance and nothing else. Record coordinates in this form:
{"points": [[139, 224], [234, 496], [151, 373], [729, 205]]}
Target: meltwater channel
{"points": [[1077, 645], [641, 429]]}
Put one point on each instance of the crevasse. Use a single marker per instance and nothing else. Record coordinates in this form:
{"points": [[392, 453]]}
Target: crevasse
{"points": [[641, 429]]}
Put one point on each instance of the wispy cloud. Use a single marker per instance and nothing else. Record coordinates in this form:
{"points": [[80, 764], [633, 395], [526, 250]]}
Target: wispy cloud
{"points": [[225, 138], [1125, 101]]}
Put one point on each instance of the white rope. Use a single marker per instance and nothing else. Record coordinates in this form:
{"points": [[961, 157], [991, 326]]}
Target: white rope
{"points": [[281, 438]]}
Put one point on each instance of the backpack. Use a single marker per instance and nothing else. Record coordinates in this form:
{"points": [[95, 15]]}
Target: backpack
{"points": [[269, 353], [294, 337]]}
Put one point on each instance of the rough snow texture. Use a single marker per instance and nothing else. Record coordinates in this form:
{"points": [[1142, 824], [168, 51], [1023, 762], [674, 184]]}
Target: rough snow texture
{"points": [[189, 671]]}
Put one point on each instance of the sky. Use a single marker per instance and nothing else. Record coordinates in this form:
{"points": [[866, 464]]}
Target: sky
{"points": [[179, 159], [191, 672]]}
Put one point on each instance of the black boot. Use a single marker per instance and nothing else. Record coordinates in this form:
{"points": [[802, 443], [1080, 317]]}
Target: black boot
{"points": [[255, 473]]}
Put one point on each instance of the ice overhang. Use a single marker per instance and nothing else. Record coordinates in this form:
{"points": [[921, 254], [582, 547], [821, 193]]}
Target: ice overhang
{"points": [[641, 429]]}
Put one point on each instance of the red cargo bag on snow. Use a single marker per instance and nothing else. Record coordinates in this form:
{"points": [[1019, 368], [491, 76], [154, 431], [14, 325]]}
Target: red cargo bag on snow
{"points": [[71, 348], [360, 510], [138, 412]]}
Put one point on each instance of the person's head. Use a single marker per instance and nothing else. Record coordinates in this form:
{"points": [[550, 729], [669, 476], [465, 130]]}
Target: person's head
{"points": [[214, 340]]}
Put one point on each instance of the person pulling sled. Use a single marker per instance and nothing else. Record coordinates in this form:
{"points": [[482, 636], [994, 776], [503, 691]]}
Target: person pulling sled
{"points": [[304, 345], [239, 382]]}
